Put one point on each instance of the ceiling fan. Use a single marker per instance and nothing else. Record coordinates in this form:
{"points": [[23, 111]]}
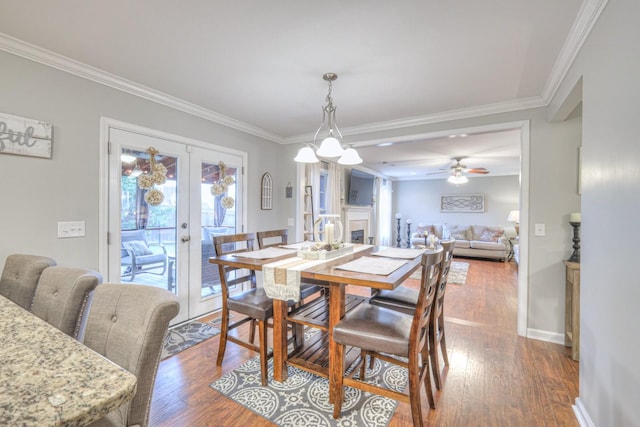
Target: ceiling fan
{"points": [[458, 170]]}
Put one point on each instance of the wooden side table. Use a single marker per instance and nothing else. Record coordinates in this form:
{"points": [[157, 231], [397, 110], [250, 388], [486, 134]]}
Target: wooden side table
{"points": [[572, 309]]}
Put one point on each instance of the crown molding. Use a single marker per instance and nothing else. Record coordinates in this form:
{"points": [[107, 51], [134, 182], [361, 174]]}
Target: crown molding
{"points": [[582, 26], [462, 113], [63, 63]]}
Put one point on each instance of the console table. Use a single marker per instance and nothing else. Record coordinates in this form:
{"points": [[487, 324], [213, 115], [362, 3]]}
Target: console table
{"points": [[572, 309]]}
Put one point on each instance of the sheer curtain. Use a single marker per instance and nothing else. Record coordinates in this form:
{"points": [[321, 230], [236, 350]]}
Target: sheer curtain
{"points": [[384, 212], [334, 189]]}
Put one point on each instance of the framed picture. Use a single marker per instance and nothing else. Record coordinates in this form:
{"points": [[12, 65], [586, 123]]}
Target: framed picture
{"points": [[467, 203], [266, 196]]}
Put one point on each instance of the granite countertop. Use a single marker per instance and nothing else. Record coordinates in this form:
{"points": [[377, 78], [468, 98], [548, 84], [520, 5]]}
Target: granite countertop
{"points": [[48, 378]]}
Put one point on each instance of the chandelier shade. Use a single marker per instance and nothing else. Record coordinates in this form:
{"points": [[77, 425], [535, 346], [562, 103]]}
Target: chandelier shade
{"points": [[331, 145]]}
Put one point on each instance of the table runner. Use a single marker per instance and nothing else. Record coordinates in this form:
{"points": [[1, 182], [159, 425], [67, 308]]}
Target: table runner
{"points": [[282, 278], [264, 253]]}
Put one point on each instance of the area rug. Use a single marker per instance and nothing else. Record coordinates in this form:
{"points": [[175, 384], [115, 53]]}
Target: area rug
{"points": [[457, 273], [303, 399], [184, 336]]}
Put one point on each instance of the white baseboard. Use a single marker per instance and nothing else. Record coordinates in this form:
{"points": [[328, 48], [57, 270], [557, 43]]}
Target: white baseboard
{"points": [[541, 335], [581, 414]]}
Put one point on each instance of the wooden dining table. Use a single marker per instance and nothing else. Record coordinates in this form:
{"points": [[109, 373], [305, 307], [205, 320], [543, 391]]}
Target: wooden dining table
{"points": [[321, 355], [48, 378]]}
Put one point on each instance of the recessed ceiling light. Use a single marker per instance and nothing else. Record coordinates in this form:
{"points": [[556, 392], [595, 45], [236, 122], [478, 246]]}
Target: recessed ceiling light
{"points": [[452, 136], [385, 144], [462, 135]]}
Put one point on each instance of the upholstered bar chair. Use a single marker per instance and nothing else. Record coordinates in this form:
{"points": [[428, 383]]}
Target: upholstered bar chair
{"points": [[253, 304], [392, 336], [404, 299], [61, 296], [20, 277], [127, 324], [280, 237]]}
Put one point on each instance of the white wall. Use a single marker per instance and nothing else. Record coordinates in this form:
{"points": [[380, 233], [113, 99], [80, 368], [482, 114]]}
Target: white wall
{"points": [[37, 193], [419, 200], [609, 65]]}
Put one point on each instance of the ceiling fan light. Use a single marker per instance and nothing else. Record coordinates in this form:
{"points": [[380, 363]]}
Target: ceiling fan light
{"points": [[306, 155], [350, 157], [330, 147], [458, 179]]}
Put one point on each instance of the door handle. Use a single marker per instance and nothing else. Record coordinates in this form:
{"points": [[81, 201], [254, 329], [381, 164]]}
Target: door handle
{"points": [[185, 239]]}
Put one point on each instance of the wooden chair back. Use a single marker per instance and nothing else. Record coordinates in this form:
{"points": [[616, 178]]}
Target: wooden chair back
{"points": [[272, 238]]}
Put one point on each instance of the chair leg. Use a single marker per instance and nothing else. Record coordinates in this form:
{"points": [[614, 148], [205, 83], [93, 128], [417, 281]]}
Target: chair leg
{"points": [[262, 332], [339, 389], [252, 331], [363, 365], [433, 353], [427, 381], [443, 341], [414, 389], [224, 330]]}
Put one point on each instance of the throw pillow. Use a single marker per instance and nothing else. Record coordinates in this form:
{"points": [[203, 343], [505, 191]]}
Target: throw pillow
{"points": [[489, 236], [138, 247], [457, 232], [421, 229]]}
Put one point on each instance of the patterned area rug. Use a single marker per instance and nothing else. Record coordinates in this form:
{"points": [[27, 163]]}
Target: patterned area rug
{"points": [[184, 336], [457, 273], [303, 400]]}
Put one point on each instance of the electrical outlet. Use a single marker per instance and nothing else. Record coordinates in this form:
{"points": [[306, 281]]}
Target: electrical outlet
{"points": [[539, 230], [71, 229]]}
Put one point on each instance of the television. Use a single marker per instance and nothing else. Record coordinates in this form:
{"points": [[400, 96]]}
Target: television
{"points": [[360, 188]]}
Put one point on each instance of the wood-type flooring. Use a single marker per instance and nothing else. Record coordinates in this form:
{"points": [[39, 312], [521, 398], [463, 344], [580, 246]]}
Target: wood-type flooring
{"points": [[495, 377]]}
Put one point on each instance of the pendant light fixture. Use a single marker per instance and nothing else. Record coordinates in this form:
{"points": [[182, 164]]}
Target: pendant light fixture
{"points": [[331, 145]]}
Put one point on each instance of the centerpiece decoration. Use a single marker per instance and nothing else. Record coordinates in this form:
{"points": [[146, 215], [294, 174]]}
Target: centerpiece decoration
{"points": [[157, 176], [328, 242], [219, 187]]}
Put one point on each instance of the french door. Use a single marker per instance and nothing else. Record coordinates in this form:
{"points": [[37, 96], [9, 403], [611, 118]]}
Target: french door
{"points": [[168, 197]]}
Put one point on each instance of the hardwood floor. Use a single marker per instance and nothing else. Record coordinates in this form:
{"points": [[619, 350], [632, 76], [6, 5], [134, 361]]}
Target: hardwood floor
{"points": [[495, 377]]}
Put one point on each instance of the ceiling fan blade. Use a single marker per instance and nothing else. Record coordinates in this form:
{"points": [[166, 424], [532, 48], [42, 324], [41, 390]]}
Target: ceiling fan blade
{"points": [[477, 170], [437, 173]]}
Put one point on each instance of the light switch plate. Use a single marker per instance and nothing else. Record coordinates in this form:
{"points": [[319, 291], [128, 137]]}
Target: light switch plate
{"points": [[539, 230], [71, 229], [291, 222]]}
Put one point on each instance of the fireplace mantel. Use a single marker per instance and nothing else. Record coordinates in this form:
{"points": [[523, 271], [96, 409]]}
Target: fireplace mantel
{"points": [[360, 217]]}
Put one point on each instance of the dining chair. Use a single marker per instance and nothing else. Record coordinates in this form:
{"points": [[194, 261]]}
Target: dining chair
{"points": [[392, 336], [280, 237], [127, 324], [61, 296], [404, 299], [20, 277], [253, 304]]}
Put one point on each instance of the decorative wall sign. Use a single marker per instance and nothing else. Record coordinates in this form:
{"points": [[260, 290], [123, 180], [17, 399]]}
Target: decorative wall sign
{"points": [[25, 137], [267, 192], [453, 203]]}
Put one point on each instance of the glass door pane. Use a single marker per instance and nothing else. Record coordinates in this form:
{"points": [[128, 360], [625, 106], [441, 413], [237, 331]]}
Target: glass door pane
{"points": [[219, 208]]}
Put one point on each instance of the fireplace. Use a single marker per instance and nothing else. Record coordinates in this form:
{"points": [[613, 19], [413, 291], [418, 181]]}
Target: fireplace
{"points": [[357, 221], [357, 236]]}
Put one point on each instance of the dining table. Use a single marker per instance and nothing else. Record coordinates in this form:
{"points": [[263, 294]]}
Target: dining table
{"points": [[48, 378], [320, 354]]}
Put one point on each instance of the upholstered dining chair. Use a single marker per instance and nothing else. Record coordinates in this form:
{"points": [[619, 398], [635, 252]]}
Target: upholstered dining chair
{"points": [[395, 337], [404, 299], [127, 324], [253, 304], [61, 296], [280, 237], [20, 277]]}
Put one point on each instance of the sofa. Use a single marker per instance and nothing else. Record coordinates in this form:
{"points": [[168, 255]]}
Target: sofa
{"points": [[475, 241]]}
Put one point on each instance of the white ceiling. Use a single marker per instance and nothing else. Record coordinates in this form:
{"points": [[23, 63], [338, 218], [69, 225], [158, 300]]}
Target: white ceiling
{"points": [[257, 65]]}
